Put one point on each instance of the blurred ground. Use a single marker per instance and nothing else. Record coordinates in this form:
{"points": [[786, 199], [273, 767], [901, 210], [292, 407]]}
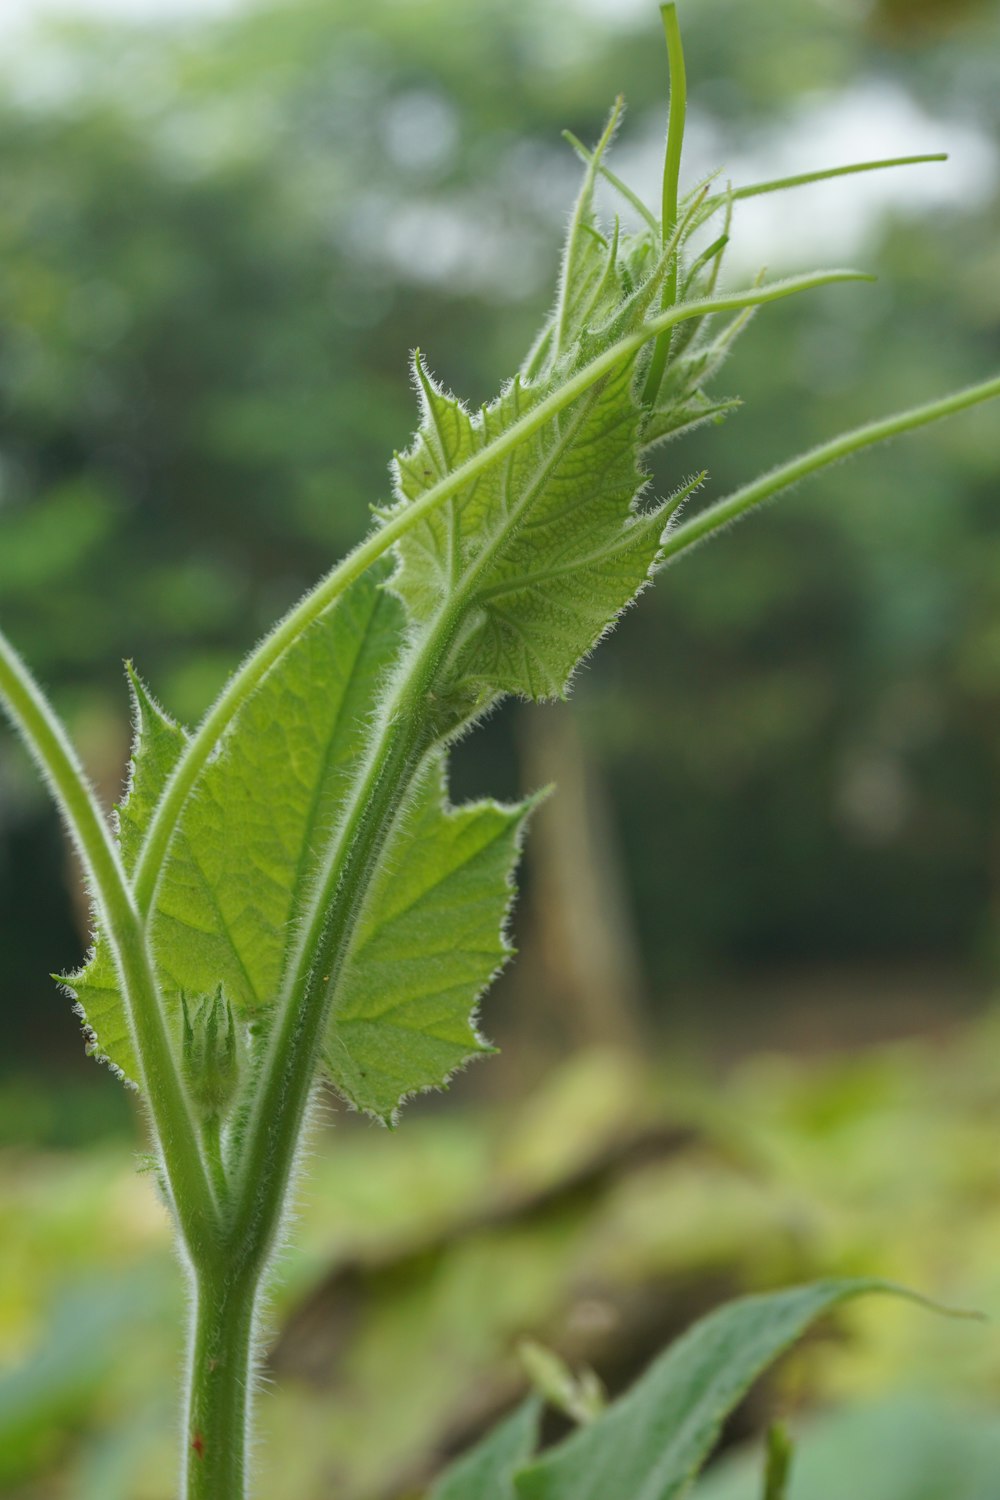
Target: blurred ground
{"points": [[600, 1215]]}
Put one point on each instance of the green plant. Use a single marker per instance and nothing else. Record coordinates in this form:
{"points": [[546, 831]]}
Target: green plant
{"points": [[288, 894]]}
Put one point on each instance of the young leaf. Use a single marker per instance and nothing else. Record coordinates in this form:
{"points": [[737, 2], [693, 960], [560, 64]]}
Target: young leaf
{"points": [[157, 743], [430, 933], [581, 1397], [530, 561], [487, 1472], [99, 1004], [588, 281], [243, 855], [539, 556], [428, 944], [652, 1442]]}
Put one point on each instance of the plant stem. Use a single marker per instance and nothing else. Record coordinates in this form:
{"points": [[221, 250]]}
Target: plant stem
{"points": [[732, 507], [43, 733], [219, 1393], [267, 1156], [409, 726], [826, 174], [211, 1133], [221, 1369], [676, 120], [671, 178]]}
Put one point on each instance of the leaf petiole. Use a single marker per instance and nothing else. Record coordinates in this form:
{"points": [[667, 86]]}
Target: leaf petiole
{"points": [[826, 174], [676, 121], [723, 513], [42, 732]]}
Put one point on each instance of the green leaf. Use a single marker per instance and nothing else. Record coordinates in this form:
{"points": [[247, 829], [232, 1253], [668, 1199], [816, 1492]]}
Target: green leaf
{"points": [[429, 942], [97, 993], [651, 1443], [589, 280], [534, 558], [242, 853], [487, 1472], [430, 932], [157, 743], [541, 553], [242, 857]]}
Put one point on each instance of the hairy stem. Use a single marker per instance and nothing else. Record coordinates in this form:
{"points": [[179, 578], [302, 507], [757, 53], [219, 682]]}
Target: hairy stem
{"points": [[724, 512], [219, 1392], [825, 174], [400, 742], [221, 1371], [43, 733]]}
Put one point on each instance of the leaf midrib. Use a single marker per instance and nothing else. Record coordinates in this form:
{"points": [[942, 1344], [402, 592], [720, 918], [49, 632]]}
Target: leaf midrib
{"points": [[454, 609], [322, 785]]}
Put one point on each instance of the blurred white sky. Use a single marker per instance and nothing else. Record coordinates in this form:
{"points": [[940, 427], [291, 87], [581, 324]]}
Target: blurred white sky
{"points": [[14, 13]]}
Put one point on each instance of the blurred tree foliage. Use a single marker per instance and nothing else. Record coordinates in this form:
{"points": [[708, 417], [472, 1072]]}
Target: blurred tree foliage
{"points": [[218, 240]]}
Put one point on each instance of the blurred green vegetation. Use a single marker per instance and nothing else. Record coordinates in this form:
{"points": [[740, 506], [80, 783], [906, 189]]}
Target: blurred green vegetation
{"points": [[600, 1215]]}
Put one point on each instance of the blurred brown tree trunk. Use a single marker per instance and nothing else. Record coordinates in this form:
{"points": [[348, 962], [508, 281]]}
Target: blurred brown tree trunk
{"points": [[901, 21], [580, 960]]}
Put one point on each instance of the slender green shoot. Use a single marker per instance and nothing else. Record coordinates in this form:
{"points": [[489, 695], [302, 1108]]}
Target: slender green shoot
{"points": [[827, 174], [42, 732], [723, 513], [631, 197], [676, 122]]}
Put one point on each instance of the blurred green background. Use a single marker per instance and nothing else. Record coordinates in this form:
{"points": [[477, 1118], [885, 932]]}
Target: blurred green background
{"points": [[221, 229]]}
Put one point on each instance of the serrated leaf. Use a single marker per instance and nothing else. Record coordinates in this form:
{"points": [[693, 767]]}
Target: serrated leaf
{"points": [[97, 993], [486, 1473], [430, 934], [535, 558], [651, 1443], [428, 944], [244, 851], [157, 742], [543, 551]]}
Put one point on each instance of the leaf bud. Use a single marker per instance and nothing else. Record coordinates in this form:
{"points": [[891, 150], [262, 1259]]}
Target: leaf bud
{"points": [[209, 1054]]}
